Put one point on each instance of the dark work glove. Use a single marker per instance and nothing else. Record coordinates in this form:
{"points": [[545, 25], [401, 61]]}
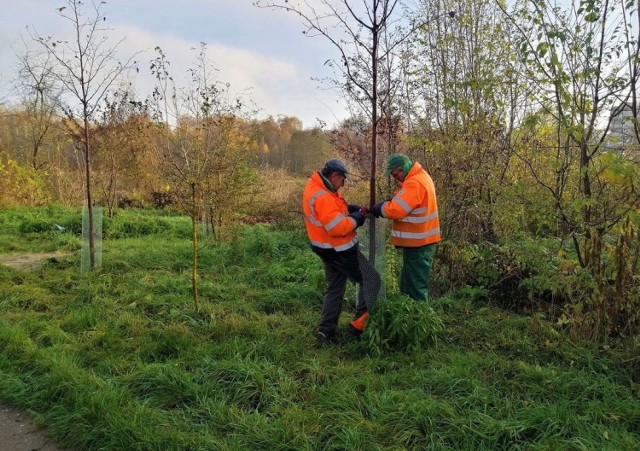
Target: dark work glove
{"points": [[353, 208], [358, 217], [376, 210]]}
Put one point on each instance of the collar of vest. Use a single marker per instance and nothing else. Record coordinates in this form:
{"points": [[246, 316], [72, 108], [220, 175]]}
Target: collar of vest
{"points": [[327, 183], [415, 169]]}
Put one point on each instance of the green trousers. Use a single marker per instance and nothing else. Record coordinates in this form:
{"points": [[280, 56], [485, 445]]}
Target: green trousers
{"points": [[416, 271]]}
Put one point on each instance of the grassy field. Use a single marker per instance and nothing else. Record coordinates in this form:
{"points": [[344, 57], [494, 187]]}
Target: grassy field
{"points": [[119, 360]]}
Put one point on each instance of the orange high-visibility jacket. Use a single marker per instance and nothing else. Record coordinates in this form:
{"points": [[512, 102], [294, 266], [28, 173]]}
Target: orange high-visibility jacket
{"points": [[326, 217], [414, 210]]}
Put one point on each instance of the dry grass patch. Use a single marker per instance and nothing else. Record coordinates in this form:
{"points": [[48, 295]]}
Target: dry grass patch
{"points": [[30, 261]]}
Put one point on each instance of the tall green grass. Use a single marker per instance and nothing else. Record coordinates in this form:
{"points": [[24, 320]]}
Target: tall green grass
{"points": [[118, 359]]}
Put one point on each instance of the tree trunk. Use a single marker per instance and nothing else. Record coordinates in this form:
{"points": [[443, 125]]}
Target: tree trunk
{"points": [[87, 168], [194, 232], [374, 140]]}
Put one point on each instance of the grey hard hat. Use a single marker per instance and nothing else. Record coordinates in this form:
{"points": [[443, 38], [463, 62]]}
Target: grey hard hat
{"points": [[335, 165]]}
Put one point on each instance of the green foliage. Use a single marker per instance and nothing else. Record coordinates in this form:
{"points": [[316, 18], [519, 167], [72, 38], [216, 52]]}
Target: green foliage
{"points": [[258, 241], [563, 169], [49, 228], [21, 185], [41, 219], [285, 257], [402, 324], [518, 275], [536, 274], [103, 359], [473, 293], [132, 223], [127, 223]]}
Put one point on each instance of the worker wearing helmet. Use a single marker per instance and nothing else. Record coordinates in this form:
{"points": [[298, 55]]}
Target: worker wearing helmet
{"points": [[416, 226], [331, 226]]}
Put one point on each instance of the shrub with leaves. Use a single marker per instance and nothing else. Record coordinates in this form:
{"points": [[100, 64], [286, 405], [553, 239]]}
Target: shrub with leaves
{"points": [[21, 185], [402, 324]]}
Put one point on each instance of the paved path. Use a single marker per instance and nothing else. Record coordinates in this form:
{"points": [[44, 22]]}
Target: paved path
{"points": [[18, 433]]}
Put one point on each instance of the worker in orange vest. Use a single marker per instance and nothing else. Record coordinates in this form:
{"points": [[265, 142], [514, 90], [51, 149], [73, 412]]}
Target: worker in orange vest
{"points": [[331, 226], [416, 226]]}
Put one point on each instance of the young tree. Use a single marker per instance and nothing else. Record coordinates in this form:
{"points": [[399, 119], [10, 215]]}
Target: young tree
{"points": [[123, 163], [581, 61], [84, 67], [204, 153], [366, 37], [460, 99], [40, 99]]}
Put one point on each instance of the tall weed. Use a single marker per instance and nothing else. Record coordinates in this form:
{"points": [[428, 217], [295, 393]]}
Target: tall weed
{"points": [[402, 324]]}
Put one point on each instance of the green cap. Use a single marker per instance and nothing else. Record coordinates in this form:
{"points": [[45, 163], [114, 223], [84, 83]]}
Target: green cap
{"points": [[398, 160]]}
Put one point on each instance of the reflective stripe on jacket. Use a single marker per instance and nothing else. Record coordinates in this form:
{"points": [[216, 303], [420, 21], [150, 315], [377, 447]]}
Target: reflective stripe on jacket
{"points": [[326, 217], [414, 211]]}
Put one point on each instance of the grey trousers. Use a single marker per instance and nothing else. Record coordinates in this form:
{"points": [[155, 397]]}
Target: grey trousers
{"points": [[338, 268]]}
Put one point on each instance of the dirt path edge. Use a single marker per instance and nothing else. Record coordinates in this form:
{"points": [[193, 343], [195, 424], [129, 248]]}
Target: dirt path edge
{"points": [[18, 433]]}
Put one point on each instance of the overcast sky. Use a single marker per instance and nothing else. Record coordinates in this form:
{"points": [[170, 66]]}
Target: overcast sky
{"points": [[260, 52]]}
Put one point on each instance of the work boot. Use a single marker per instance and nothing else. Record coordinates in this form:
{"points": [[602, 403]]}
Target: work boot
{"points": [[348, 334], [353, 331], [322, 338], [357, 326]]}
